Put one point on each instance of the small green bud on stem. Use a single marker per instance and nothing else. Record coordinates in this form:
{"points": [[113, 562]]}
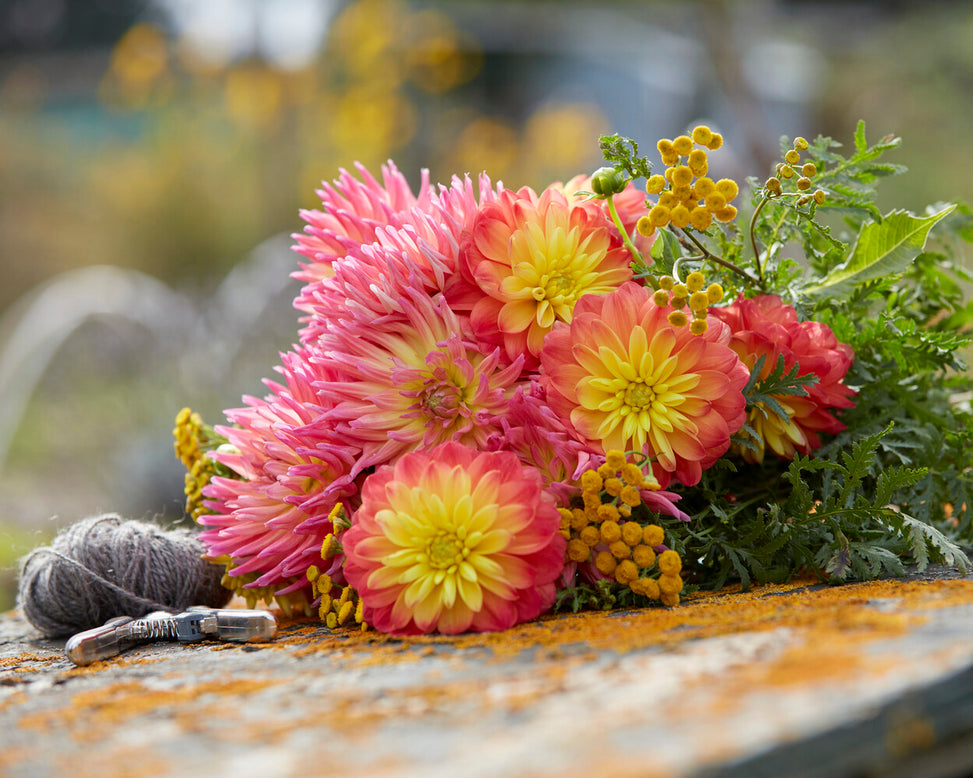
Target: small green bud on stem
{"points": [[608, 181]]}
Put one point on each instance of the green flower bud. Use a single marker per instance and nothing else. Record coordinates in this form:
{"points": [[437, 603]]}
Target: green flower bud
{"points": [[607, 181]]}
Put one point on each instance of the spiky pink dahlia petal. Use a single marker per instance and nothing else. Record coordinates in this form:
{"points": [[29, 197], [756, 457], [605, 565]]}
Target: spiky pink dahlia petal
{"points": [[417, 380], [273, 522], [544, 440], [352, 212], [419, 249]]}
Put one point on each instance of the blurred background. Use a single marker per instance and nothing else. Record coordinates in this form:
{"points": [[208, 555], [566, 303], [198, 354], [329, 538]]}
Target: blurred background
{"points": [[154, 155]]}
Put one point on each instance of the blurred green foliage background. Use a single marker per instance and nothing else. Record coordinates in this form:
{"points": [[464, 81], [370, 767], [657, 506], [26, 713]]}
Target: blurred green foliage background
{"points": [[171, 138]]}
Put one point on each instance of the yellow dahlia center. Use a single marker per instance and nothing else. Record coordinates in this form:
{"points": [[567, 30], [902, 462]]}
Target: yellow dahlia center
{"points": [[554, 267], [557, 287], [639, 396], [445, 550]]}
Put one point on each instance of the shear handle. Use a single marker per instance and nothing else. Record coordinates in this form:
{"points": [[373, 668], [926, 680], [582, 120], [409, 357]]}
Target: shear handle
{"points": [[235, 625], [108, 640]]}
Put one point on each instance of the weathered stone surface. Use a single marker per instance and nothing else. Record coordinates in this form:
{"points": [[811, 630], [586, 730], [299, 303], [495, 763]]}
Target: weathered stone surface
{"points": [[793, 680]]}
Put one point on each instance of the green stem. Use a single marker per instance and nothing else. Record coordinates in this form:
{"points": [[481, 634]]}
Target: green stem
{"points": [[753, 239], [626, 240], [784, 214], [707, 254], [780, 223]]}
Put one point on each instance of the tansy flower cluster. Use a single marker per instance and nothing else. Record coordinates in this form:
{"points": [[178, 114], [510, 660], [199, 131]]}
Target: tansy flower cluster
{"points": [[687, 197], [801, 174], [193, 438], [607, 539], [337, 605], [442, 449], [691, 295]]}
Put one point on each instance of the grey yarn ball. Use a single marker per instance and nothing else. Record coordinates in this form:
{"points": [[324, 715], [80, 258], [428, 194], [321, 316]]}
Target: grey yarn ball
{"points": [[104, 566]]}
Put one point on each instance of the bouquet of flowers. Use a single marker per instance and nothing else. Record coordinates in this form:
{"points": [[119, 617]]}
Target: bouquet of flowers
{"points": [[503, 402]]}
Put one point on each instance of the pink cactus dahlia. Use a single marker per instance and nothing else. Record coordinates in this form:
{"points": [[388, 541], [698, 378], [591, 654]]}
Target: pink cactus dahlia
{"points": [[417, 250], [544, 440], [765, 326], [416, 380], [270, 525], [628, 380], [452, 540], [353, 212]]}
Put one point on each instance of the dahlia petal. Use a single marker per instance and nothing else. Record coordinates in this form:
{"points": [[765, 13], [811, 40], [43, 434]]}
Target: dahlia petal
{"points": [[470, 593], [456, 619]]}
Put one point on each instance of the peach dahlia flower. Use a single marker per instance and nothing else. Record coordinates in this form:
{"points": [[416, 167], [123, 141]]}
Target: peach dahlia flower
{"points": [[454, 539], [629, 203], [628, 380], [766, 326], [528, 261]]}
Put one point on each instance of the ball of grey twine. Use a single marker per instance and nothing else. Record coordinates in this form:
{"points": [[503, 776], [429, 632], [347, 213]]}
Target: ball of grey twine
{"points": [[104, 566]]}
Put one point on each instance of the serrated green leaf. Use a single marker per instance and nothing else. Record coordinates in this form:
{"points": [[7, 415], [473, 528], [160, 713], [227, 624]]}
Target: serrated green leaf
{"points": [[657, 247], [917, 542], [923, 536], [897, 478], [860, 144], [883, 249]]}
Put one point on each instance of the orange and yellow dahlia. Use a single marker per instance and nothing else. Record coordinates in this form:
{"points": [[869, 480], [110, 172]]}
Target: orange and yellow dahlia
{"points": [[453, 539], [629, 380], [765, 326], [528, 261]]}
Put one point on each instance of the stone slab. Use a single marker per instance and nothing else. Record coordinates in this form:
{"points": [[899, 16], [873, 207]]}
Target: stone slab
{"points": [[796, 680]]}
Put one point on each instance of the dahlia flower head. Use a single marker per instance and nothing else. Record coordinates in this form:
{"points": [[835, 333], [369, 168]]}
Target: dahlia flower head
{"points": [[454, 539], [627, 379], [527, 261], [268, 524], [764, 326]]}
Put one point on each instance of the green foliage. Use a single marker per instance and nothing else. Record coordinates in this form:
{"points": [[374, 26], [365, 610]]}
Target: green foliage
{"points": [[762, 394], [624, 153], [851, 181], [603, 595], [883, 249], [895, 487]]}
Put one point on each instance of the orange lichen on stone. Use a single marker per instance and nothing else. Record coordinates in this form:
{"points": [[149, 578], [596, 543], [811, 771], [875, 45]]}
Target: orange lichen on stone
{"points": [[120, 702], [15, 661], [110, 664], [115, 762], [26, 663], [12, 757], [823, 633], [805, 604]]}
